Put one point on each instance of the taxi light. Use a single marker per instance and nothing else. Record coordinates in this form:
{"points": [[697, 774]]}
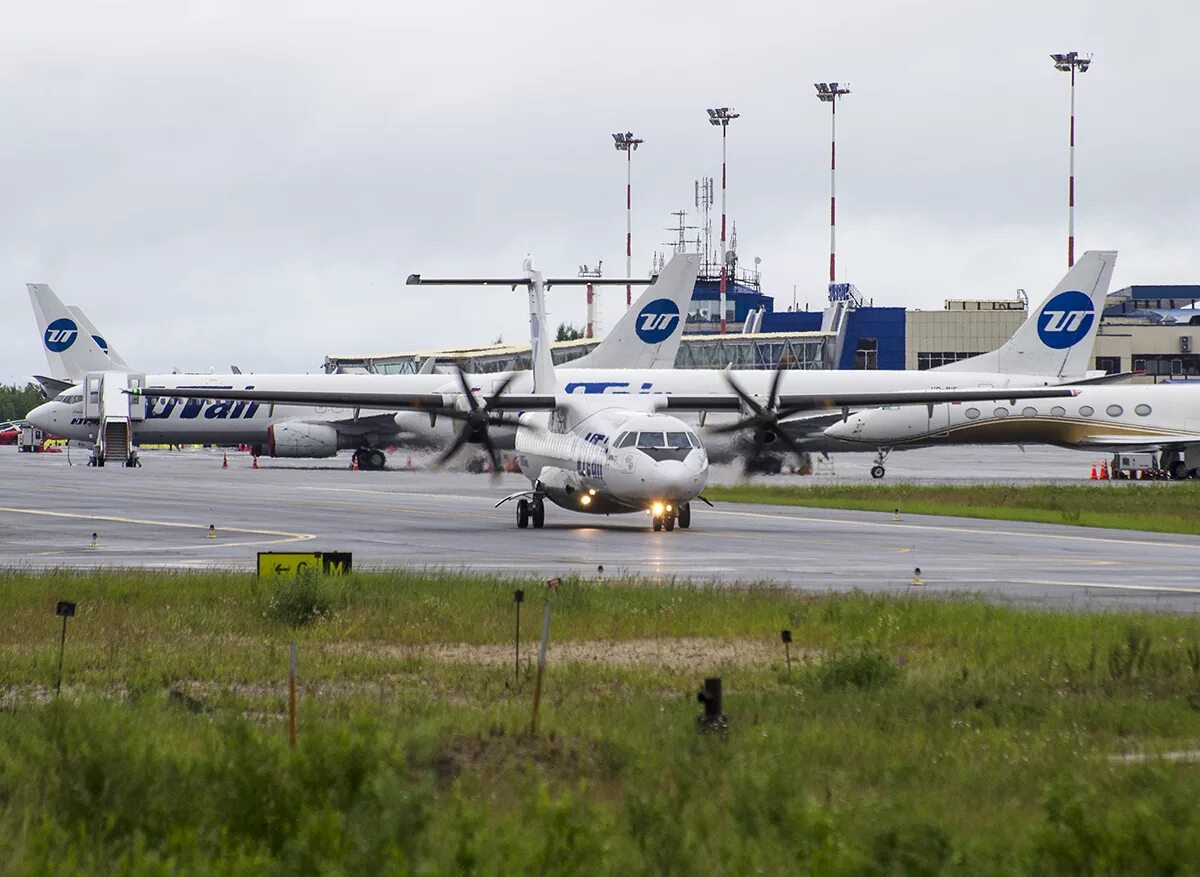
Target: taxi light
{"points": [[657, 509], [668, 506], [591, 491], [586, 499]]}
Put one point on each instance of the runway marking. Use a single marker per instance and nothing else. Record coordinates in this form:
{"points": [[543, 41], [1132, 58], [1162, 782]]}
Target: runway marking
{"points": [[979, 531], [1175, 589], [285, 536]]}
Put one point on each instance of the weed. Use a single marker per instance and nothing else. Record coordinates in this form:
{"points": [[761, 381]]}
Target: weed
{"points": [[303, 599]]}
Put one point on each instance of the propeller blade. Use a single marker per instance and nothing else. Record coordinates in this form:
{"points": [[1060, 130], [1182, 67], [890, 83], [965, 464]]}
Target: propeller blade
{"points": [[466, 388], [459, 441], [493, 454], [731, 427], [773, 398], [500, 390], [742, 394], [786, 439]]}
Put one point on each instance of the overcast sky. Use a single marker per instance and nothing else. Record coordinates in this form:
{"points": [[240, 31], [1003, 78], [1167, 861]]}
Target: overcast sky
{"points": [[250, 183]]}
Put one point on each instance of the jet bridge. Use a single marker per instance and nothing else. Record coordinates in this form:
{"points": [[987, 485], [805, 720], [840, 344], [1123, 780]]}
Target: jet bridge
{"points": [[114, 410]]}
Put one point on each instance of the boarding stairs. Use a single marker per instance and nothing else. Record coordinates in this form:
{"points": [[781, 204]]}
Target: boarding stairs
{"points": [[108, 402]]}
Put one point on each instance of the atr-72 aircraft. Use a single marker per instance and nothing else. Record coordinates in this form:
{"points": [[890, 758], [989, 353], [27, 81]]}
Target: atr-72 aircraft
{"points": [[592, 453]]}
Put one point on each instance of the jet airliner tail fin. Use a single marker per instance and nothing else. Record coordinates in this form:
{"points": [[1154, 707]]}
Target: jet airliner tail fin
{"points": [[649, 332], [1057, 339], [70, 351]]}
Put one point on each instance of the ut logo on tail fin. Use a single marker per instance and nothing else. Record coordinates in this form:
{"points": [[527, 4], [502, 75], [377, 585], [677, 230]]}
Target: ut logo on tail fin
{"points": [[657, 320], [1066, 319], [61, 334]]}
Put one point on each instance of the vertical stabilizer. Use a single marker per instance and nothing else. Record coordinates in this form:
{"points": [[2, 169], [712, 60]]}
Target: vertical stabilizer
{"points": [[541, 362], [88, 326], [648, 334], [1058, 337], [70, 351]]}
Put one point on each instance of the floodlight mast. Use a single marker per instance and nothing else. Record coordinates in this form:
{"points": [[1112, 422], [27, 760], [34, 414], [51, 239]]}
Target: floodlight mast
{"points": [[628, 144], [721, 117], [1070, 62], [829, 92]]}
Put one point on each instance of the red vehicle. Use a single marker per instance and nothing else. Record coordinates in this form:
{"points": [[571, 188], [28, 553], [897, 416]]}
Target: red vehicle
{"points": [[9, 432]]}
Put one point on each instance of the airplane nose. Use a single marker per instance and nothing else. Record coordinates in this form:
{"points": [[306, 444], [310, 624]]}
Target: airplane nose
{"points": [[676, 480], [43, 417]]}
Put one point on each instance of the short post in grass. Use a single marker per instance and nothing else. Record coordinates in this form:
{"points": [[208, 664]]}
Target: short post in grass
{"points": [[537, 685], [64, 610], [713, 720], [786, 636], [518, 599], [291, 695]]}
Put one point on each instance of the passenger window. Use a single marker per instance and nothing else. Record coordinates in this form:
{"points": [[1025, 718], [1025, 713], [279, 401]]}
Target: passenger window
{"points": [[1115, 410], [1142, 410], [1001, 412], [651, 440], [678, 440], [1058, 411], [1086, 411], [972, 413], [1029, 412]]}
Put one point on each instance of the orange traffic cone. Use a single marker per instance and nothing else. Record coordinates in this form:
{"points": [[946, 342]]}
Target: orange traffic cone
{"points": [[1094, 477], [255, 466], [224, 461], [1104, 470], [354, 463]]}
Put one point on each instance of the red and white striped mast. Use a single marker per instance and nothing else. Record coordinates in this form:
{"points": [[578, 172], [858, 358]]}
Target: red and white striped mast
{"points": [[1069, 62], [829, 92], [721, 117], [628, 144]]}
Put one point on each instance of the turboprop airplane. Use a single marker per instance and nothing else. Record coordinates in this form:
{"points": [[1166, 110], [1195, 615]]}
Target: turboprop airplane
{"points": [[1164, 418], [593, 453], [73, 350]]}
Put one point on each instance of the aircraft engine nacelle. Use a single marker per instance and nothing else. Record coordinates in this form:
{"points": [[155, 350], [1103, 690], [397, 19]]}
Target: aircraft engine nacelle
{"points": [[301, 440]]}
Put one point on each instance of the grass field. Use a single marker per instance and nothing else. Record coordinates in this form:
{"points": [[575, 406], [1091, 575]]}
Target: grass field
{"points": [[1160, 507], [913, 735]]}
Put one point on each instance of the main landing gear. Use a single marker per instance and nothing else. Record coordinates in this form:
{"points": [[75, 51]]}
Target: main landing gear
{"points": [[877, 471], [531, 512], [668, 519], [370, 459]]}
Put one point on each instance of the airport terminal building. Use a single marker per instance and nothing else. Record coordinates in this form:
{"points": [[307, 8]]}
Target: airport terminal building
{"points": [[1150, 329]]}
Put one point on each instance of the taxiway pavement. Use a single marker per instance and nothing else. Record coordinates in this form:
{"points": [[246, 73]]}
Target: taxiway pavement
{"points": [[159, 515]]}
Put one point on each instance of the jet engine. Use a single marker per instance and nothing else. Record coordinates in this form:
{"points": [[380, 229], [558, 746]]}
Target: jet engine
{"points": [[301, 440]]}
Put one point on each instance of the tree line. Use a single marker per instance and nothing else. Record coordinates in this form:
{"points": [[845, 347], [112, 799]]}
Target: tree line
{"points": [[17, 401]]}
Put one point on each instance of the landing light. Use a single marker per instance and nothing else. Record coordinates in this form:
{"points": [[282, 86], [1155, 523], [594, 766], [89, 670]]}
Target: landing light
{"points": [[656, 509], [586, 499], [591, 491]]}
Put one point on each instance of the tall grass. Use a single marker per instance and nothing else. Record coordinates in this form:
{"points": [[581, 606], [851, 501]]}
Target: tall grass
{"points": [[912, 736]]}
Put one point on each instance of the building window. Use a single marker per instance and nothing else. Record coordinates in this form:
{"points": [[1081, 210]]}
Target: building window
{"points": [[1164, 364], [927, 359], [1108, 364], [1114, 410], [1142, 410], [866, 354]]}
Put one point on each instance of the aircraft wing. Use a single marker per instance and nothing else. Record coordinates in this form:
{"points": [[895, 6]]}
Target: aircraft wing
{"points": [[351, 398], [792, 403]]}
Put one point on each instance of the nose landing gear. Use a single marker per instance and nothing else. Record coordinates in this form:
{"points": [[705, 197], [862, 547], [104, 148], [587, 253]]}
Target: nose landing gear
{"points": [[668, 519], [531, 512]]}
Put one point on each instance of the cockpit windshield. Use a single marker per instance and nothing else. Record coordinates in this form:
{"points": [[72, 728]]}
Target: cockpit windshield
{"points": [[650, 441], [68, 398], [678, 440]]}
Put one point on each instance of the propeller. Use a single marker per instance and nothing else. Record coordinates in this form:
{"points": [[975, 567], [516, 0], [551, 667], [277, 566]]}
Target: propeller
{"points": [[763, 419], [476, 421]]}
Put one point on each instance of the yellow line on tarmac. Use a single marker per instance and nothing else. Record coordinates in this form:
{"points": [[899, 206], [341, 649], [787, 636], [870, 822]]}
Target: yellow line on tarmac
{"points": [[285, 536]]}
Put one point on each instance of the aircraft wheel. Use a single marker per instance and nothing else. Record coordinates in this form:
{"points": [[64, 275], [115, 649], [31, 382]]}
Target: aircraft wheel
{"points": [[1178, 470], [669, 522], [685, 516], [538, 514], [1195, 473], [376, 460], [657, 523], [878, 471], [522, 513]]}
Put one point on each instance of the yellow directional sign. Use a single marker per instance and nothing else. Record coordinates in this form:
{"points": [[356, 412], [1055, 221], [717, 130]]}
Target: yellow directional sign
{"points": [[289, 563]]}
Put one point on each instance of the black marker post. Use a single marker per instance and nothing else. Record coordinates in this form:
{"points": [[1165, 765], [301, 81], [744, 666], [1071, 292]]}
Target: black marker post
{"points": [[64, 610]]}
